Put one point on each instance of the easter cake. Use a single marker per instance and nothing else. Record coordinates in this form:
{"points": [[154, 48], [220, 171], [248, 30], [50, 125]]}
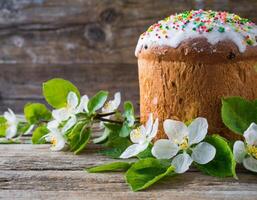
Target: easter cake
{"points": [[189, 61]]}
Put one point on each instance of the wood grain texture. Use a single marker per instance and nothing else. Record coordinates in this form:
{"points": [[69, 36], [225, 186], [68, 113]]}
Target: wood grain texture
{"points": [[88, 31], [18, 84], [90, 42], [33, 172]]}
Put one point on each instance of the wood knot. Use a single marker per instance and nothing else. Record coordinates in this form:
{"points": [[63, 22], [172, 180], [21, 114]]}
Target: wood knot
{"points": [[231, 55], [180, 100], [109, 15], [95, 33], [173, 84]]}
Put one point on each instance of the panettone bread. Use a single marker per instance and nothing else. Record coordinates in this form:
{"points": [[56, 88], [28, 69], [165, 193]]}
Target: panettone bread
{"points": [[189, 61]]}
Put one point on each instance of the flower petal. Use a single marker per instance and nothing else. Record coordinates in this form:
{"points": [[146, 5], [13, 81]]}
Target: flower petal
{"points": [[52, 126], [61, 114], [133, 150], [250, 163], [154, 130], [10, 116], [59, 145], [149, 124], [103, 137], [197, 130], [117, 100], [182, 163], [239, 151], [47, 137], [251, 134], [138, 135], [175, 130], [70, 123], [72, 100], [164, 149], [83, 104], [203, 153], [11, 131]]}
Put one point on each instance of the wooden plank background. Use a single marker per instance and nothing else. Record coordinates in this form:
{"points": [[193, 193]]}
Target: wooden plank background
{"points": [[90, 42], [34, 172]]}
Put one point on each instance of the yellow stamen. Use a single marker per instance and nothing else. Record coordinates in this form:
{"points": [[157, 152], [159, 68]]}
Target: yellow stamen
{"points": [[107, 105], [184, 144], [54, 141], [252, 150], [136, 133]]}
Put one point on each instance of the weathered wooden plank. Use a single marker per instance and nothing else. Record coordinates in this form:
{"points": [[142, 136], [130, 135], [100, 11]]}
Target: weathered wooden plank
{"points": [[80, 180], [99, 195], [34, 172], [88, 31], [22, 83], [39, 157], [74, 31], [16, 104], [191, 185]]}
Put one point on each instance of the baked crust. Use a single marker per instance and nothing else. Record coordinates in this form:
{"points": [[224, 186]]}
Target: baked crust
{"points": [[183, 83], [199, 50]]}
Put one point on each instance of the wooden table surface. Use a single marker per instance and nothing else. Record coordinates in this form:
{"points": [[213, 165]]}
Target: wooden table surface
{"points": [[34, 172]]}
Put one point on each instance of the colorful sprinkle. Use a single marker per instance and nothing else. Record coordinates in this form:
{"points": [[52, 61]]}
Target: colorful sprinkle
{"points": [[200, 22], [221, 29]]}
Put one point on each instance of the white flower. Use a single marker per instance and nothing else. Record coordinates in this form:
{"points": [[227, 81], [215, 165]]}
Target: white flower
{"points": [[56, 134], [141, 137], [109, 107], [72, 108], [246, 153], [12, 124], [112, 105], [180, 139]]}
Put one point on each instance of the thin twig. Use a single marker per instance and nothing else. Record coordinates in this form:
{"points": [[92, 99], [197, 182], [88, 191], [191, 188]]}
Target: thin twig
{"points": [[109, 120], [105, 114]]}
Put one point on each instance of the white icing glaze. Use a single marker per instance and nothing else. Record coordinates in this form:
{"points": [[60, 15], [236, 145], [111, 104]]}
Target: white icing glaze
{"points": [[215, 27]]}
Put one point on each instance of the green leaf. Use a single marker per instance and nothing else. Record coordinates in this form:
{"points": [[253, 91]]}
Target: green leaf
{"points": [[112, 153], [110, 167], [115, 142], [97, 101], [36, 112], [56, 91], [3, 126], [129, 119], [79, 137], [37, 136], [238, 113], [255, 103], [223, 164], [146, 172], [129, 113], [22, 127], [125, 130], [147, 153]]}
